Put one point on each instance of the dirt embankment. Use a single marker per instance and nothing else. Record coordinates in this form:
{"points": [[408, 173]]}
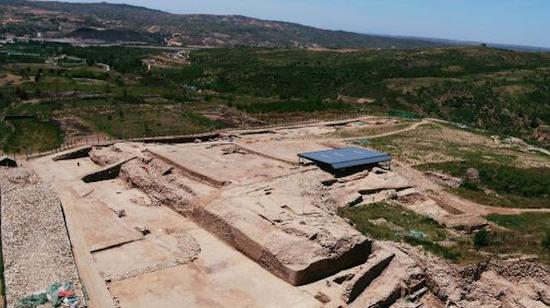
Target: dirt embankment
{"points": [[492, 283], [159, 181]]}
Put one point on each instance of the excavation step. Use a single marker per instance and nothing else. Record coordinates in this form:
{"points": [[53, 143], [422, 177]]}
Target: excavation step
{"points": [[402, 276], [191, 173], [106, 173], [74, 154], [344, 287], [369, 272]]}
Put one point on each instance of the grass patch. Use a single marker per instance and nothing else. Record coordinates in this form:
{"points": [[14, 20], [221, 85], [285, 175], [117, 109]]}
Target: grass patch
{"points": [[447, 253], [293, 106], [42, 111], [526, 234], [128, 121], [33, 135], [530, 223], [393, 222], [516, 187]]}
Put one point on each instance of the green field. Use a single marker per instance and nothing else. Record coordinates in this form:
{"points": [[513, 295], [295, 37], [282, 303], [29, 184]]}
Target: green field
{"points": [[523, 234], [473, 86], [32, 135], [127, 121]]}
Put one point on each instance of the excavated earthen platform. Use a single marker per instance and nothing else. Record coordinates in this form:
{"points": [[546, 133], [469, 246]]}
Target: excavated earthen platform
{"points": [[278, 225], [286, 151], [220, 163]]}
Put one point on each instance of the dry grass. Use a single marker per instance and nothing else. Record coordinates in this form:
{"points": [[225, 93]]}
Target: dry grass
{"points": [[441, 143], [369, 130]]}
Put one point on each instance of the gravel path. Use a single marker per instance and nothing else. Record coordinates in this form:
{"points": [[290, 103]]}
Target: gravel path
{"points": [[35, 243]]}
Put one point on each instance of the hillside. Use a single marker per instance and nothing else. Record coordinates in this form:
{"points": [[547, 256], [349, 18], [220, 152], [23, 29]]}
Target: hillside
{"points": [[108, 23], [77, 91]]}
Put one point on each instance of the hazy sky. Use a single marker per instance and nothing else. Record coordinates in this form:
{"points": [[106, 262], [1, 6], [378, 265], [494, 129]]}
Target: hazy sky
{"points": [[523, 22]]}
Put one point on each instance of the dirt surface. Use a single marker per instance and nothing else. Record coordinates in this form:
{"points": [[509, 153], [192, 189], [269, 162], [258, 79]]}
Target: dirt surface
{"points": [[214, 162], [11, 79], [285, 151]]}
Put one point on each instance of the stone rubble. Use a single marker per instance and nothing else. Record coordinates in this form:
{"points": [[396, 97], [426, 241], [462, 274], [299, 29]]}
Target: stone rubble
{"points": [[35, 243], [493, 283]]}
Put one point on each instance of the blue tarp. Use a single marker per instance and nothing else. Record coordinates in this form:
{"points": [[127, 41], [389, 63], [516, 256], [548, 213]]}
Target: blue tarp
{"points": [[346, 157]]}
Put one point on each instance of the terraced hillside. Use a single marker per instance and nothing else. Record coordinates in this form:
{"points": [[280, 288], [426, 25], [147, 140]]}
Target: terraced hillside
{"points": [[51, 92]]}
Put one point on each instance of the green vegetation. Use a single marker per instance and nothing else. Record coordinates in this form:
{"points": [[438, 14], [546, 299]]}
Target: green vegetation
{"points": [[516, 187], [523, 234], [293, 106], [507, 177], [481, 238], [546, 241], [32, 135], [526, 233], [476, 86], [393, 222], [127, 121]]}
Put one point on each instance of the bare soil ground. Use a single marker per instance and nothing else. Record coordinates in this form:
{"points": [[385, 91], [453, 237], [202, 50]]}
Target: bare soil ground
{"points": [[11, 79]]}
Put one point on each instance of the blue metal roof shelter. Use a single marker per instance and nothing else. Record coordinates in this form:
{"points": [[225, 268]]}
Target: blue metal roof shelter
{"points": [[346, 157]]}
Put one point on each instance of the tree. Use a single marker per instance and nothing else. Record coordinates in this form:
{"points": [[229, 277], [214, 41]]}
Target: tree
{"points": [[546, 240], [21, 93], [481, 238], [38, 76]]}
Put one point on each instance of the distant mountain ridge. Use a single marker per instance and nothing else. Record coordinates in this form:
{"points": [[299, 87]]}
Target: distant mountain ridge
{"points": [[106, 22]]}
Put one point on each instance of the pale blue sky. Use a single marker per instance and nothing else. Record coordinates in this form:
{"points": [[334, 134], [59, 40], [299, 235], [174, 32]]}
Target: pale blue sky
{"points": [[522, 22]]}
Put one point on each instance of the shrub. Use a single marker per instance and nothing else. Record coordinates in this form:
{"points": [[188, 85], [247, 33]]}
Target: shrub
{"points": [[546, 240], [21, 93], [481, 238]]}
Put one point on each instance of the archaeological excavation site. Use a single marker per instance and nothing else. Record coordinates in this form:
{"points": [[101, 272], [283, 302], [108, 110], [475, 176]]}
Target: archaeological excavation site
{"points": [[275, 217]]}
